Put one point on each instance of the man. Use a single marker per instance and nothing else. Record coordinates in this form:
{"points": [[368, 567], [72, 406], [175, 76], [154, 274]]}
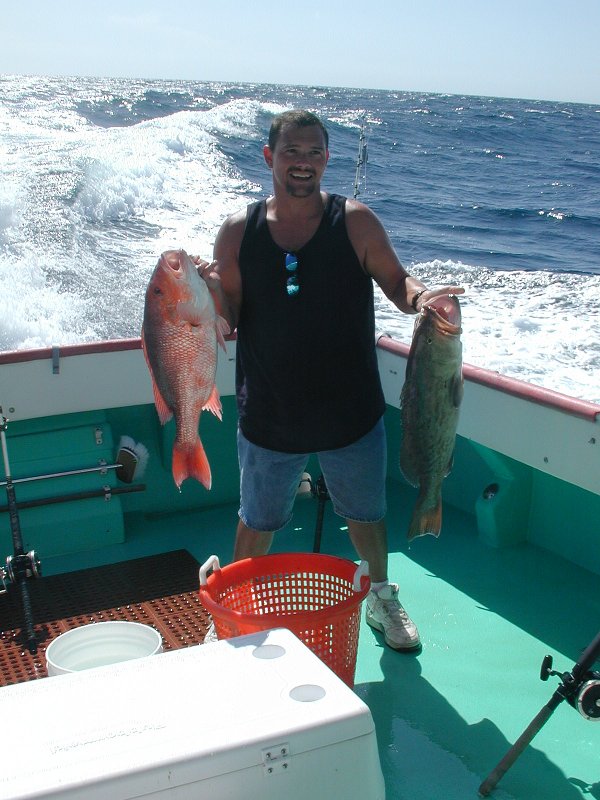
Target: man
{"points": [[294, 273]]}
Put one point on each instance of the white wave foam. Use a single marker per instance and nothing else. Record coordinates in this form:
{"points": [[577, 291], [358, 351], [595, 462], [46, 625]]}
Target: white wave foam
{"points": [[238, 118], [85, 211], [168, 172], [10, 213], [517, 323], [32, 313], [135, 192]]}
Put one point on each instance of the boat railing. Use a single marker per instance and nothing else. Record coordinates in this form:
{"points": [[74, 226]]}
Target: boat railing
{"points": [[507, 385]]}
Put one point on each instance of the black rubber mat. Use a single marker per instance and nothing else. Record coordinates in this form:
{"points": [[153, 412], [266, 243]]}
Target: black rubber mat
{"points": [[160, 590]]}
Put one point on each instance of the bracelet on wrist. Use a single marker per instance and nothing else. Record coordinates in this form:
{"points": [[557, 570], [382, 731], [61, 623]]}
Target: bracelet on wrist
{"points": [[416, 296]]}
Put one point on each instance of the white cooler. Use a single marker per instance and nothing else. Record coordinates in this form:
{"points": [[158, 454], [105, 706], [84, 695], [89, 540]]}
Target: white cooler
{"points": [[259, 716]]}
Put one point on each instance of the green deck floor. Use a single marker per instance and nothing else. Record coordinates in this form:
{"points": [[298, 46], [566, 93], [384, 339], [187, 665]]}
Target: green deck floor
{"points": [[487, 617]]}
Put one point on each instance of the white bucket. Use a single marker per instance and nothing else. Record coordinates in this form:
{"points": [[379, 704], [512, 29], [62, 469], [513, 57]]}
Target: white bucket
{"points": [[101, 643]]}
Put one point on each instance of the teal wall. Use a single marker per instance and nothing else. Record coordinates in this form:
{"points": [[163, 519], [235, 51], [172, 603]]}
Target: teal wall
{"points": [[161, 495], [513, 503]]}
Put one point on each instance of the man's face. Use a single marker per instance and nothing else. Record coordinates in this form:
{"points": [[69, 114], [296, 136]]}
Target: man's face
{"points": [[298, 160]]}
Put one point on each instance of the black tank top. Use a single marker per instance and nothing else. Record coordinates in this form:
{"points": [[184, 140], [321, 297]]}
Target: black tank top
{"points": [[306, 372]]}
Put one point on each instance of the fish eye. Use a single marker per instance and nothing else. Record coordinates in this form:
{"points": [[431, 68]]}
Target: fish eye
{"points": [[157, 290]]}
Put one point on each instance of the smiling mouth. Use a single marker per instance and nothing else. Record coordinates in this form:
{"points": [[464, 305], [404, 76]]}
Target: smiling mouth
{"points": [[301, 176]]}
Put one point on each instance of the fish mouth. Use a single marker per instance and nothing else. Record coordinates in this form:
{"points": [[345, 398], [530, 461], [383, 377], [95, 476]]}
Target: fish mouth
{"points": [[172, 262], [446, 314]]}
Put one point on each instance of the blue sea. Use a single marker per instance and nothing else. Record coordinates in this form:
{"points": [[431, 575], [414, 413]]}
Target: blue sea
{"points": [[99, 176]]}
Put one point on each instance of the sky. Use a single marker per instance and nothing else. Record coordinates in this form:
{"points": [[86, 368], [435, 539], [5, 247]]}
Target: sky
{"points": [[513, 48]]}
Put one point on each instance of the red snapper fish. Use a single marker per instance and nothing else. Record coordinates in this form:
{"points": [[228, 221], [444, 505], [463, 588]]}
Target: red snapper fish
{"points": [[180, 332], [430, 402]]}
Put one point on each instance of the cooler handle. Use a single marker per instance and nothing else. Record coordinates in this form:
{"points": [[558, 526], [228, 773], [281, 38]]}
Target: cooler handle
{"points": [[362, 571], [211, 563]]}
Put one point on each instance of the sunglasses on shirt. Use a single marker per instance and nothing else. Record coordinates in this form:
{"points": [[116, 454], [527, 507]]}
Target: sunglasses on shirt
{"points": [[291, 265]]}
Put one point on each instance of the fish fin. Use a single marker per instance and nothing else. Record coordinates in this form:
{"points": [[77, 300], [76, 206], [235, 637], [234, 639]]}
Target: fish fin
{"points": [[213, 403], [191, 462], [449, 467], [223, 329], [191, 313], [425, 520], [163, 410], [457, 391], [409, 473]]}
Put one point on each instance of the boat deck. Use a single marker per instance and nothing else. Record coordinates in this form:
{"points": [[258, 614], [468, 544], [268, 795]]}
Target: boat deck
{"points": [[159, 590], [447, 715]]}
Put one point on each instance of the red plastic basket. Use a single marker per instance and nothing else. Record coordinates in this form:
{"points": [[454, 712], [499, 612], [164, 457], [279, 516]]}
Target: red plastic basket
{"points": [[313, 595]]}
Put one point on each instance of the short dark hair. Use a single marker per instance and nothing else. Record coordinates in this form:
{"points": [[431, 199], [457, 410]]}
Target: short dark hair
{"points": [[299, 118]]}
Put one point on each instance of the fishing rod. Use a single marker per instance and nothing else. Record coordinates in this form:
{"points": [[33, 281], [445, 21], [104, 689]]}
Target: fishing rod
{"points": [[21, 565], [580, 688], [361, 160], [318, 490]]}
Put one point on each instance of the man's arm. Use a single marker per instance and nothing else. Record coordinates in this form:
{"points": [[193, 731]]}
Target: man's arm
{"points": [[222, 275], [379, 260]]}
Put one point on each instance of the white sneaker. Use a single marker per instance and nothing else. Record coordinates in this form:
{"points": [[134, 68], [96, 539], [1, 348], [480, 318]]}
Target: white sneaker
{"points": [[211, 634], [386, 614]]}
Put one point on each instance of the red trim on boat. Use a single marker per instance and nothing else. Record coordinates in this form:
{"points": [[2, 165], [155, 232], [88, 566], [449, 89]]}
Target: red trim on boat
{"points": [[112, 346], [66, 350], [512, 386]]}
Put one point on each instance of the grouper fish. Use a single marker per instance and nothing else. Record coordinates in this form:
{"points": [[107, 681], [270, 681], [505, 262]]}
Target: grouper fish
{"points": [[429, 404], [180, 333]]}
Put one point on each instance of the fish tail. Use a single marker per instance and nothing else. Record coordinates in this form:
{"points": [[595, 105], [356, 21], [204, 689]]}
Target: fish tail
{"points": [[190, 461], [425, 519]]}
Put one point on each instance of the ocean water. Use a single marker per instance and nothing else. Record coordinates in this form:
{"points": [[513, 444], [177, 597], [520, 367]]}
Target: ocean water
{"points": [[99, 176]]}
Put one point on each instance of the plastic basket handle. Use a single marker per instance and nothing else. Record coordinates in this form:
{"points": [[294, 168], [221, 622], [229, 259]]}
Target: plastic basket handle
{"points": [[211, 563], [362, 571]]}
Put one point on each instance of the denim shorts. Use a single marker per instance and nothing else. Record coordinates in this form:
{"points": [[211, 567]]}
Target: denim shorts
{"points": [[354, 475]]}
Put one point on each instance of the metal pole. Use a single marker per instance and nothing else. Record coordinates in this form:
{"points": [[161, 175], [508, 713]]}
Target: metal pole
{"points": [[106, 492]]}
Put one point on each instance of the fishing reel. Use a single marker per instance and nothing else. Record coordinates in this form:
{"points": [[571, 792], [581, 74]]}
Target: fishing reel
{"points": [[580, 688], [583, 693], [27, 565]]}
